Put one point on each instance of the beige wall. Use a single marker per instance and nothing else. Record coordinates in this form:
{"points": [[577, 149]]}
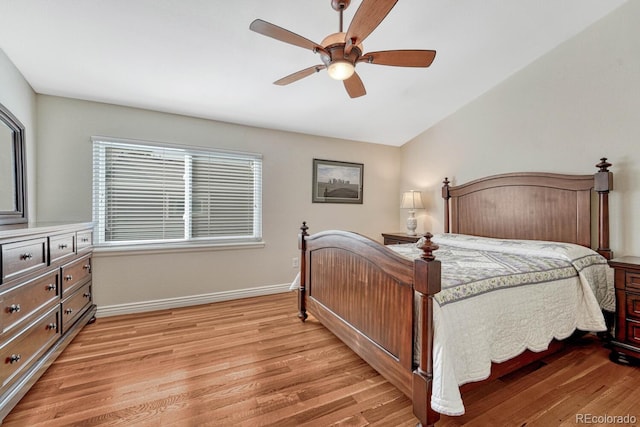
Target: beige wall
{"points": [[560, 114], [20, 99], [65, 179]]}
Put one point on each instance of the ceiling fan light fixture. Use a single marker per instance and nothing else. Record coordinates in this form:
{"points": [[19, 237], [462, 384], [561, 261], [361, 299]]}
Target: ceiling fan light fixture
{"points": [[341, 70]]}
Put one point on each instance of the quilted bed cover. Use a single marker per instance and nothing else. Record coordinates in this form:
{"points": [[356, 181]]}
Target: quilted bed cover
{"points": [[502, 297]]}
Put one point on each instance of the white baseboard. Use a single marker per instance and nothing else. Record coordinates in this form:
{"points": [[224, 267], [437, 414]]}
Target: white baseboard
{"points": [[140, 307]]}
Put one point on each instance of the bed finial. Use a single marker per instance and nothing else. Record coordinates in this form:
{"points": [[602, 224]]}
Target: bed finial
{"points": [[603, 179], [428, 247], [446, 196], [445, 188], [603, 183], [603, 165], [304, 228]]}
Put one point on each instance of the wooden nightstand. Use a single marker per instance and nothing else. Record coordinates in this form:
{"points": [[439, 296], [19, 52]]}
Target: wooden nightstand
{"points": [[399, 238], [626, 342]]}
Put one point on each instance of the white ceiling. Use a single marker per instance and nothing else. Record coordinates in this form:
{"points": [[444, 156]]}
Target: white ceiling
{"points": [[199, 58]]}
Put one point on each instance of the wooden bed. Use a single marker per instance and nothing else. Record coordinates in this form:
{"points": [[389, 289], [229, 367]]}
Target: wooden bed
{"points": [[364, 293]]}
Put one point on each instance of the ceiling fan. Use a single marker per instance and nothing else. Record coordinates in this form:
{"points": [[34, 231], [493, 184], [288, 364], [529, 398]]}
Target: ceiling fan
{"points": [[340, 52]]}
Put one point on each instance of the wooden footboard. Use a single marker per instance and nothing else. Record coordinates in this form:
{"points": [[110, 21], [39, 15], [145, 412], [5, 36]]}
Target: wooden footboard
{"points": [[364, 293]]}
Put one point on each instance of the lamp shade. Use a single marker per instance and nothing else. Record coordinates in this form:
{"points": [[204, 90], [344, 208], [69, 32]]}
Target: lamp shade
{"points": [[411, 200]]}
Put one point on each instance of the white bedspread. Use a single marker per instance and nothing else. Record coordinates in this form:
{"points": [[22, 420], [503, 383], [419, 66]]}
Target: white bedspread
{"points": [[498, 325]]}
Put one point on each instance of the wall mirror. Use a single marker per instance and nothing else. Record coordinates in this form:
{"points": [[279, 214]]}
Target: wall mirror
{"points": [[13, 184]]}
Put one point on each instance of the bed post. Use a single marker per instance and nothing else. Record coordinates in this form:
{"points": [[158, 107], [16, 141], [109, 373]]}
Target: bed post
{"points": [[446, 196], [302, 245], [427, 284], [603, 183]]}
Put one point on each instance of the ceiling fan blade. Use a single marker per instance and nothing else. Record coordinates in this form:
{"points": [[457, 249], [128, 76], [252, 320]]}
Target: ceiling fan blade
{"points": [[270, 30], [299, 75], [354, 86], [366, 19], [400, 58]]}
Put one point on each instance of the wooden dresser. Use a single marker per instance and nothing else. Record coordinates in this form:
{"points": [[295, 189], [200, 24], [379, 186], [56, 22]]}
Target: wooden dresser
{"points": [[626, 342], [45, 300]]}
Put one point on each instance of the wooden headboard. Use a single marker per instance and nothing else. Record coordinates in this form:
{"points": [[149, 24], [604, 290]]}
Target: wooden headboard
{"points": [[531, 205]]}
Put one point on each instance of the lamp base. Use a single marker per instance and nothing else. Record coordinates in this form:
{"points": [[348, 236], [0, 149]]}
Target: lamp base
{"points": [[412, 224]]}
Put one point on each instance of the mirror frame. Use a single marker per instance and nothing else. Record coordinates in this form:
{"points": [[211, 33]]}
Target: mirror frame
{"points": [[19, 215]]}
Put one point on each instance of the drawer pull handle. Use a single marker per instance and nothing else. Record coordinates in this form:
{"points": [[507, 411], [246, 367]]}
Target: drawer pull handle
{"points": [[87, 295], [68, 311], [52, 326], [14, 358], [84, 239], [26, 256], [63, 246], [68, 277], [14, 308], [87, 266], [51, 287]]}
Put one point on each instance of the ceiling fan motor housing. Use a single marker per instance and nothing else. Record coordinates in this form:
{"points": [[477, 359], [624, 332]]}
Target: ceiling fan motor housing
{"points": [[334, 44]]}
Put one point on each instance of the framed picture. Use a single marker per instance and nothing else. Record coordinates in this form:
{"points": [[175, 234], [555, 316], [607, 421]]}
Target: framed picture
{"points": [[337, 182]]}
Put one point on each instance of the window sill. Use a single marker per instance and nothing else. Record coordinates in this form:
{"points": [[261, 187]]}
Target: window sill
{"points": [[149, 249]]}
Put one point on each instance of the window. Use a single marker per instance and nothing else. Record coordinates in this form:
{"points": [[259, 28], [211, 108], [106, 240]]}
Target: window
{"points": [[152, 193]]}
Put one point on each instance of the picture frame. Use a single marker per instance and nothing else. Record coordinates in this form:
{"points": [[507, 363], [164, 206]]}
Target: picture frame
{"points": [[337, 182]]}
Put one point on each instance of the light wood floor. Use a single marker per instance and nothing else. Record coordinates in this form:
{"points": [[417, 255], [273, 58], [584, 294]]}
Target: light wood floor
{"points": [[252, 362]]}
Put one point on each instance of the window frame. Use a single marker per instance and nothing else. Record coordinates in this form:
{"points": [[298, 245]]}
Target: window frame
{"points": [[188, 243]]}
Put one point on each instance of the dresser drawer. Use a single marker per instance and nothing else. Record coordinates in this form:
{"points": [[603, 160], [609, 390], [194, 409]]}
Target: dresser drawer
{"points": [[22, 257], [75, 305], [21, 302], [633, 332], [20, 352], [633, 306], [75, 274], [632, 282], [84, 240], [391, 241], [61, 246]]}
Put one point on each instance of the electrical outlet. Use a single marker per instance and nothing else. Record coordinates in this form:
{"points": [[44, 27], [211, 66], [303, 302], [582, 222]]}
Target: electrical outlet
{"points": [[295, 263]]}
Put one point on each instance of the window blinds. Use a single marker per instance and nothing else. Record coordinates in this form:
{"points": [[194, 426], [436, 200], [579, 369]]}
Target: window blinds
{"points": [[151, 193]]}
